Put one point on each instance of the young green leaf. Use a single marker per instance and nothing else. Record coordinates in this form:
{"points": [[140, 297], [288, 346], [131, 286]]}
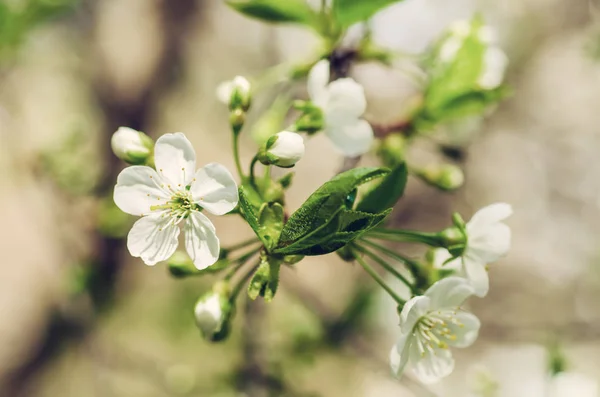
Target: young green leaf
{"points": [[276, 11], [349, 12], [324, 204], [386, 193], [248, 210], [271, 223], [266, 279]]}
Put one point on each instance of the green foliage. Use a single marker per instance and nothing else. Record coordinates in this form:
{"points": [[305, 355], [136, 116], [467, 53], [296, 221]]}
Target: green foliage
{"points": [[17, 20], [266, 279], [453, 91], [349, 12], [276, 11], [266, 221], [387, 192], [326, 221]]}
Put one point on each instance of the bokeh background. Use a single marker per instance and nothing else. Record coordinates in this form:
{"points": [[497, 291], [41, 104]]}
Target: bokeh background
{"points": [[79, 317]]}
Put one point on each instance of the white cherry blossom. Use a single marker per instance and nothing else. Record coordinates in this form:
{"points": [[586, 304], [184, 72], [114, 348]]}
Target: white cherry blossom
{"points": [[488, 239], [430, 324], [286, 148], [343, 103], [173, 193]]}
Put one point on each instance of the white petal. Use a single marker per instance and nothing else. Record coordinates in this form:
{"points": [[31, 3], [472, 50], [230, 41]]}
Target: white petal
{"points": [[428, 367], [449, 292], [224, 91], [201, 241], [318, 78], [495, 62], [345, 102], [439, 258], [352, 139], [153, 238], [412, 311], [477, 275], [450, 48], [288, 148], [175, 159], [466, 331], [209, 315], [491, 214], [489, 244], [399, 354], [214, 188], [138, 188]]}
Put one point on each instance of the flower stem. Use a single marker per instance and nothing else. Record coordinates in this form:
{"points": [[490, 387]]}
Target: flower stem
{"points": [[252, 174], [242, 244], [236, 153], [408, 236], [242, 281], [241, 261], [415, 268], [378, 278], [386, 266]]}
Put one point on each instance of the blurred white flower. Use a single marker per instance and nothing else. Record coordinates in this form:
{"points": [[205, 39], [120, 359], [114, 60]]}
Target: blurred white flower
{"points": [[285, 149], [212, 311], [429, 325], [495, 62], [342, 102], [175, 193], [571, 384], [131, 146], [488, 239], [235, 92]]}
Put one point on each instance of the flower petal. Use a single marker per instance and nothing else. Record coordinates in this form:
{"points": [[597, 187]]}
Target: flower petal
{"points": [[465, 332], [153, 238], [490, 244], [477, 275], [489, 215], [352, 139], [138, 188], [318, 78], [495, 62], [431, 365], [399, 354], [175, 159], [449, 292], [345, 101], [214, 188], [201, 241], [412, 311]]}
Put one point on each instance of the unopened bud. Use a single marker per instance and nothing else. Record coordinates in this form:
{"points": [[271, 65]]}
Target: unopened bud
{"points": [[133, 147], [213, 313], [283, 149], [454, 240], [391, 150], [445, 177], [235, 93]]}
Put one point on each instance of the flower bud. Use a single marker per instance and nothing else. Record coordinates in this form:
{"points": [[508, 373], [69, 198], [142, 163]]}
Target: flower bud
{"points": [[283, 149], [213, 313], [454, 240], [392, 149], [133, 147], [445, 177], [235, 93]]}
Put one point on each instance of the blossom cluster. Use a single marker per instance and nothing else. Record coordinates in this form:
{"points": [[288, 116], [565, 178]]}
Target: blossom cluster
{"points": [[165, 189]]}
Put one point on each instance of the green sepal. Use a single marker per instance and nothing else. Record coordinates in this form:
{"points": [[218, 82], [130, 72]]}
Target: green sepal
{"points": [[266, 279], [386, 193]]}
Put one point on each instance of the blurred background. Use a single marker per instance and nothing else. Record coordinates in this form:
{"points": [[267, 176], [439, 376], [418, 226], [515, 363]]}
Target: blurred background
{"points": [[80, 317]]}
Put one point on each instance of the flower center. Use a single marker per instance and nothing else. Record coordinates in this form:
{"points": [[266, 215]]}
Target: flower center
{"points": [[179, 206], [436, 330]]}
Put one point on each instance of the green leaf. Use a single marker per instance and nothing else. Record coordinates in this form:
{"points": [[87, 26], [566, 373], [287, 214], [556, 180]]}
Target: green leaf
{"points": [[276, 11], [349, 12], [266, 279], [248, 209], [271, 224], [324, 204], [386, 193]]}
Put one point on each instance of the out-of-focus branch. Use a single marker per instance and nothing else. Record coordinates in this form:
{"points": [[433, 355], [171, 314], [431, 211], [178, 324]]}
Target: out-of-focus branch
{"points": [[175, 17]]}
